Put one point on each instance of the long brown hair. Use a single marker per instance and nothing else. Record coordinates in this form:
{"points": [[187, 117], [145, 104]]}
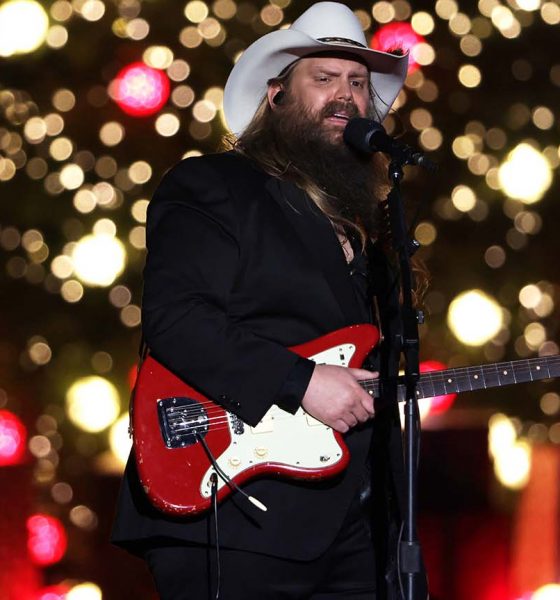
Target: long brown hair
{"points": [[259, 144]]}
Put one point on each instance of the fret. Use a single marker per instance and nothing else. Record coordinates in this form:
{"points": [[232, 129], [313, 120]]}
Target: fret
{"points": [[426, 386], [491, 376], [448, 378], [506, 373], [465, 379], [552, 365], [438, 383], [476, 378], [523, 370]]}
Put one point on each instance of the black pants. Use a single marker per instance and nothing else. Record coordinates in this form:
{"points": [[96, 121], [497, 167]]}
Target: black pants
{"points": [[345, 571]]}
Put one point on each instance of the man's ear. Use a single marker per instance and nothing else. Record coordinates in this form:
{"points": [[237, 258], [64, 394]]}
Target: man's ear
{"points": [[275, 94]]}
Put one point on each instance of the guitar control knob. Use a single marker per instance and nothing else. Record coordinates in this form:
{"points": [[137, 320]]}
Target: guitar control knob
{"points": [[234, 461], [261, 452]]}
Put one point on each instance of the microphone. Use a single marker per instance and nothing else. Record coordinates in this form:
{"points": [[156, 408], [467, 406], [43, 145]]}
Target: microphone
{"points": [[368, 136]]}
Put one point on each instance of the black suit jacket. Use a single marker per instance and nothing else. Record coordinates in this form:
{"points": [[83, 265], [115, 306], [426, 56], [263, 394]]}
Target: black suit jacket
{"points": [[241, 266]]}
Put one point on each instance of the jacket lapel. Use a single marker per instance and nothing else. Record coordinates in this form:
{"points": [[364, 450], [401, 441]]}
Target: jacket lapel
{"points": [[319, 238]]}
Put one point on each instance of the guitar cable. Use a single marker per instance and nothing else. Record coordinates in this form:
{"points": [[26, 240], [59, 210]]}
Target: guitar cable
{"points": [[229, 482], [214, 493], [214, 498]]}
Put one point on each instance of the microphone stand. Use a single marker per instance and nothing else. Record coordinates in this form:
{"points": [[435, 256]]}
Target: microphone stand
{"points": [[409, 556]]}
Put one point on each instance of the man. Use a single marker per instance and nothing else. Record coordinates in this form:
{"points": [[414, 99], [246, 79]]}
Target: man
{"points": [[251, 252]]}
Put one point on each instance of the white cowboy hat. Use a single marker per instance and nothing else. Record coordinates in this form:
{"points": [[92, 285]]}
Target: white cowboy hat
{"points": [[326, 26]]}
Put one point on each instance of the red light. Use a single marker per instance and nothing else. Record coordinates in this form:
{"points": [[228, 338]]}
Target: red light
{"points": [[438, 404], [12, 439], [46, 539], [141, 90], [398, 36]]}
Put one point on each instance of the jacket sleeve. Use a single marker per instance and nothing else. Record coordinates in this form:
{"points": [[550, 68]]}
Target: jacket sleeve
{"points": [[192, 263]]}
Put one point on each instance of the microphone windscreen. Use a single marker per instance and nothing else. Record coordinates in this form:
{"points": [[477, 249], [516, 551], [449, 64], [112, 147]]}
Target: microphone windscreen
{"points": [[358, 134]]}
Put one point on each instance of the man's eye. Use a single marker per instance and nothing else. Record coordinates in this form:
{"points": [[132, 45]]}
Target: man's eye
{"points": [[323, 79], [359, 84]]}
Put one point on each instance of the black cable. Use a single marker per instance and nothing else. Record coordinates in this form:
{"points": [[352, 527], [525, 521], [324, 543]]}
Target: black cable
{"points": [[229, 482], [214, 492]]}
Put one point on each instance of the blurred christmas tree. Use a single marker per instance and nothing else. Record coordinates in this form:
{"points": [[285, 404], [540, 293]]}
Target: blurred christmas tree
{"points": [[84, 143]]}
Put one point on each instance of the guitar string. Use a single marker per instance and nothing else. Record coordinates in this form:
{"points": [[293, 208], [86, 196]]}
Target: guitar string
{"points": [[432, 377], [222, 414], [223, 418]]}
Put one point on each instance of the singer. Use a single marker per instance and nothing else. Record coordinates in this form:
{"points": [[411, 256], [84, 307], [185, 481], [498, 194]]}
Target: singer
{"points": [[271, 244]]}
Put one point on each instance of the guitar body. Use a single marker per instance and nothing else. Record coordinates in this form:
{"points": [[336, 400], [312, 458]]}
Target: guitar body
{"points": [[169, 418]]}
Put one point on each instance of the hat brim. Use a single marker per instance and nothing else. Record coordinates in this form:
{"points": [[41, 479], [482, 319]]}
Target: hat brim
{"points": [[270, 55]]}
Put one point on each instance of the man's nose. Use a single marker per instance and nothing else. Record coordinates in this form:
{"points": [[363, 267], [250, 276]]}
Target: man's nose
{"points": [[344, 91]]}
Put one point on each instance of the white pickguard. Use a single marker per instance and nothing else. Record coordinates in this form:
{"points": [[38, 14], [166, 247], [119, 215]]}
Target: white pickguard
{"points": [[298, 440]]}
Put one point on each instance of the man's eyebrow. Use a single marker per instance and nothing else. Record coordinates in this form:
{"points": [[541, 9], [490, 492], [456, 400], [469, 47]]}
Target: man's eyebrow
{"points": [[327, 71]]}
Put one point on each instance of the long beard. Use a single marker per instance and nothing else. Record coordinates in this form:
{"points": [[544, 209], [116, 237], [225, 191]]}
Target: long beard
{"points": [[350, 179]]}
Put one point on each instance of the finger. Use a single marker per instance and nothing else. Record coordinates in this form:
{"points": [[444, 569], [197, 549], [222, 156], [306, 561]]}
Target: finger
{"points": [[368, 406], [340, 426], [361, 374], [351, 420], [360, 413]]}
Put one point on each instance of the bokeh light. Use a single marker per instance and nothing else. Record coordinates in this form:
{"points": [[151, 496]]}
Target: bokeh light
{"points": [[525, 175], [141, 90], [501, 434], [13, 435], [92, 403], [84, 591], [512, 465], [98, 259], [550, 591], [119, 439], [46, 539], [23, 26], [474, 317], [511, 455]]}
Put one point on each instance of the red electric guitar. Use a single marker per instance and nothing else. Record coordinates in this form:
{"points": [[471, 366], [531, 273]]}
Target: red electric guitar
{"points": [[177, 430]]}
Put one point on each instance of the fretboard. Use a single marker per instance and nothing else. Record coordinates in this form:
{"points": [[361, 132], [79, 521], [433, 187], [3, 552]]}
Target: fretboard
{"points": [[469, 379]]}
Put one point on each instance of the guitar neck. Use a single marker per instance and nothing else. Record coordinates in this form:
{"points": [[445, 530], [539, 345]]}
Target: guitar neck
{"points": [[469, 379]]}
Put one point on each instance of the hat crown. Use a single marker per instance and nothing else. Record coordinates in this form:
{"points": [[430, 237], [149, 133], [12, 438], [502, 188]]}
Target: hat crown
{"points": [[330, 20]]}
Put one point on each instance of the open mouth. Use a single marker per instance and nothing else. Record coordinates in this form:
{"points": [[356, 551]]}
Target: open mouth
{"points": [[339, 117]]}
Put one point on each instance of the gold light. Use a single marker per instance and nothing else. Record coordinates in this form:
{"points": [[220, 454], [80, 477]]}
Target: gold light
{"points": [[84, 591], [463, 198], [92, 403], [525, 175], [119, 439], [23, 27], [98, 259], [383, 12], [474, 317], [422, 22], [512, 466], [71, 176], [470, 76]]}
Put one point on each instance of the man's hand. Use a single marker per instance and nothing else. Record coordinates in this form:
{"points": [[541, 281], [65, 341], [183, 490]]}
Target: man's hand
{"points": [[335, 397]]}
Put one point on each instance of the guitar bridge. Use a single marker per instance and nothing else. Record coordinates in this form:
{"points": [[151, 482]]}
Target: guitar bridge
{"points": [[182, 421]]}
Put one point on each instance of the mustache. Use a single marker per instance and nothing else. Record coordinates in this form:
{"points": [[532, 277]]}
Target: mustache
{"points": [[335, 106]]}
